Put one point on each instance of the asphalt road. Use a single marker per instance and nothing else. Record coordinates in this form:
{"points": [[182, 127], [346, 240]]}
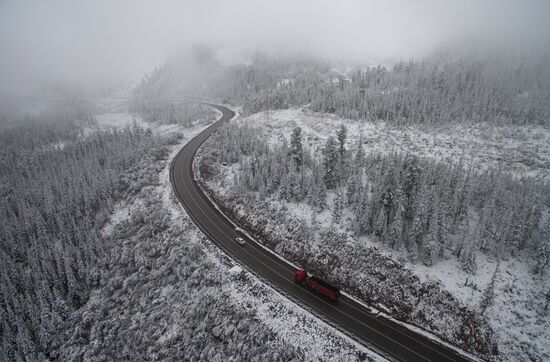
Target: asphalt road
{"points": [[380, 334]]}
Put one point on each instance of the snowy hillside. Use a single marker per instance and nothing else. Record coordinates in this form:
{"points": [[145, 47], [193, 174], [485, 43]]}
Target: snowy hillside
{"points": [[500, 289], [149, 284]]}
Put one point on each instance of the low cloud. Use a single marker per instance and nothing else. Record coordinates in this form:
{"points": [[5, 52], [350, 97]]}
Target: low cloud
{"points": [[105, 42]]}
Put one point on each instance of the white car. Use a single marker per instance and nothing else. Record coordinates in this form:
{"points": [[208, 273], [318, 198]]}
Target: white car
{"points": [[240, 241]]}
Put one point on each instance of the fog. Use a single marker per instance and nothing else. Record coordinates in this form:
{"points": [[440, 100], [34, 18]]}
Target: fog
{"points": [[105, 42]]}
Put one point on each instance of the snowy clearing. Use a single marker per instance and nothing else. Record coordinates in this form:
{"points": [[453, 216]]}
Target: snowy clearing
{"points": [[524, 150]]}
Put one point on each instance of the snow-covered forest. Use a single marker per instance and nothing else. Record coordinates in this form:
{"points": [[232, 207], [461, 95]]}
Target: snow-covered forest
{"points": [[97, 263], [89, 237], [322, 197], [405, 200], [430, 209], [378, 186], [316, 204]]}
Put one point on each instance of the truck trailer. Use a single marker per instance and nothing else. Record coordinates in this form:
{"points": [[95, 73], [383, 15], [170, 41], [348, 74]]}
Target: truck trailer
{"points": [[320, 286]]}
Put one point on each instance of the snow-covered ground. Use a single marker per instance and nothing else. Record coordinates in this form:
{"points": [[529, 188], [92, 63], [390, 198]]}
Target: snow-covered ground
{"points": [[520, 298], [117, 120], [291, 323], [522, 149], [114, 120], [294, 324]]}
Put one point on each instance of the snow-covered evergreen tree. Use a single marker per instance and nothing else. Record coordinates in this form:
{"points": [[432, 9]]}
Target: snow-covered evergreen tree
{"points": [[342, 135], [296, 148], [330, 163]]}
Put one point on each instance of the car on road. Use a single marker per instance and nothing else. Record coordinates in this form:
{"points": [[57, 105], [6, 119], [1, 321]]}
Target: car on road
{"points": [[240, 241]]}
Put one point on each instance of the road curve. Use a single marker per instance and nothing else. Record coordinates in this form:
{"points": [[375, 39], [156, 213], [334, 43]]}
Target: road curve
{"points": [[384, 336]]}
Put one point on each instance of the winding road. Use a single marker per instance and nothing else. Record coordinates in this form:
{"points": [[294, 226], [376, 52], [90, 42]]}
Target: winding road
{"points": [[384, 336]]}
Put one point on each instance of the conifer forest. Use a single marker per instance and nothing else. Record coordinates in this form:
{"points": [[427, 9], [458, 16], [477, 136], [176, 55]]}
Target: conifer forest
{"points": [[275, 181]]}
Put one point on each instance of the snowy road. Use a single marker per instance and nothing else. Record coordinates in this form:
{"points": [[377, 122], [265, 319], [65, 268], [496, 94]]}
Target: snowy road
{"points": [[382, 335]]}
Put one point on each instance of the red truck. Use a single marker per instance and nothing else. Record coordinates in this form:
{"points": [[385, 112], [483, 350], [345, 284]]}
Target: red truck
{"points": [[316, 284]]}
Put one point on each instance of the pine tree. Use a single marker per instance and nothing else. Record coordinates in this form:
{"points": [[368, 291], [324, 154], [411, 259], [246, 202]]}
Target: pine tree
{"points": [[352, 189], [467, 247], [318, 197], [488, 293], [432, 246], [330, 163], [338, 206], [359, 160], [395, 237], [314, 224], [410, 184], [443, 231], [419, 226], [381, 224], [296, 148], [285, 192], [517, 227], [341, 135]]}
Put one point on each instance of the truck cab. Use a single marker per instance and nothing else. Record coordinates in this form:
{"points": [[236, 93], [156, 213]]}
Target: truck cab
{"points": [[300, 275]]}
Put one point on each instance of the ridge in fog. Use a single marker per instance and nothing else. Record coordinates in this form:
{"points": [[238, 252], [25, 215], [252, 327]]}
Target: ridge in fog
{"points": [[102, 42]]}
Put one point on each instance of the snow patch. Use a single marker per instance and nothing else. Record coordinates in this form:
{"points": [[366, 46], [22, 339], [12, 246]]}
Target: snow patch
{"points": [[235, 270]]}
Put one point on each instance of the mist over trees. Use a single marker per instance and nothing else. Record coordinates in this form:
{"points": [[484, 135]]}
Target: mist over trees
{"points": [[442, 89], [448, 86], [164, 110]]}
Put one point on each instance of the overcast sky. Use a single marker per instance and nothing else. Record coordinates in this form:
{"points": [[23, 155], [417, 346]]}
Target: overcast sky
{"points": [[95, 41]]}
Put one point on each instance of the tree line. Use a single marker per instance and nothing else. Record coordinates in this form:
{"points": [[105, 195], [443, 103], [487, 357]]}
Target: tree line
{"points": [[449, 86]]}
